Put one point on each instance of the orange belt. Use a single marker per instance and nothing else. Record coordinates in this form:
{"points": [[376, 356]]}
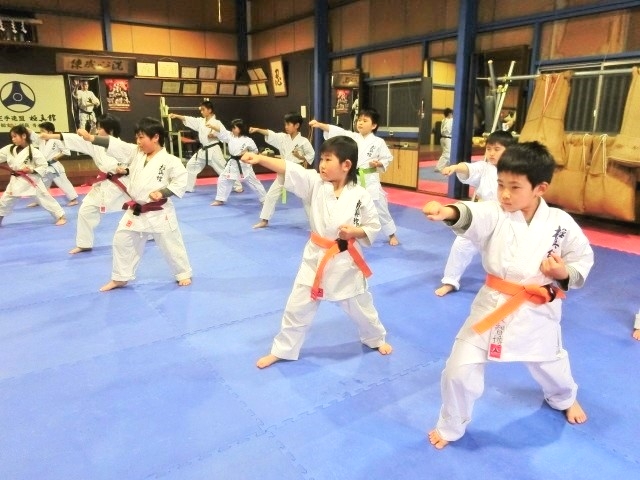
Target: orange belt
{"points": [[333, 248], [537, 294]]}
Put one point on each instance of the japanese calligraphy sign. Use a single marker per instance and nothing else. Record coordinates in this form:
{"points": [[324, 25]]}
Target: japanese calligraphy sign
{"points": [[95, 64]]}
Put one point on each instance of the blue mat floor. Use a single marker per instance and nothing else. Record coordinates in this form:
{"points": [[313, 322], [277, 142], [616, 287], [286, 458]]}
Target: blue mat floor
{"points": [[158, 381]]}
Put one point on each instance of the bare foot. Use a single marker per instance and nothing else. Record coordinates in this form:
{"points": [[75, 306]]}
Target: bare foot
{"points": [[111, 285], [444, 289], [261, 224], [75, 250], [385, 349], [185, 282], [266, 361], [393, 240], [33, 204], [575, 413], [61, 221], [72, 202], [636, 334], [217, 203], [238, 189], [436, 440]]}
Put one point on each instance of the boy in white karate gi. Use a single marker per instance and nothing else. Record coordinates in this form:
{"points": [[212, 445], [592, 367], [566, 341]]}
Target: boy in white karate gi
{"points": [[293, 147], [483, 176], [210, 151], [27, 165], [107, 193], [238, 143], [154, 176], [342, 216], [532, 254], [53, 151], [374, 157]]}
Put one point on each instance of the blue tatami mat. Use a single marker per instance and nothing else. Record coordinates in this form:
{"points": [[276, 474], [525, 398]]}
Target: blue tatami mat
{"points": [[159, 381]]}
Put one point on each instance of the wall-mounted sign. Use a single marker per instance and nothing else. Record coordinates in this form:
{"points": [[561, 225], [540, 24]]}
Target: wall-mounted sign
{"points": [[95, 64]]}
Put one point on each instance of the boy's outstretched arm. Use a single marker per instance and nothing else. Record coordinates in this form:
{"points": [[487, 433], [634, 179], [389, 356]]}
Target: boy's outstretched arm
{"points": [[278, 165], [435, 211], [262, 131], [316, 124]]}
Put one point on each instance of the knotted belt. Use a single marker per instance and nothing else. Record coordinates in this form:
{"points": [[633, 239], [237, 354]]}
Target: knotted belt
{"points": [[364, 171], [538, 294], [237, 159], [144, 208], [18, 173], [206, 150], [113, 178], [335, 247]]}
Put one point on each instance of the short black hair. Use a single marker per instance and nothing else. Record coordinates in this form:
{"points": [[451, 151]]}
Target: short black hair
{"points": [[21, 130], [447, 112], [110, 124], [501, 137], [48, 126], [293, 117], [371, 113], [151, 127], [531, 159], [238, 122], [344, 148]]}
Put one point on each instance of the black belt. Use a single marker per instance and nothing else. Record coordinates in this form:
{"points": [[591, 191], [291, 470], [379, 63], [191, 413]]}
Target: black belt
{"points": [[237, 159], [207, 147], [444, 136]]}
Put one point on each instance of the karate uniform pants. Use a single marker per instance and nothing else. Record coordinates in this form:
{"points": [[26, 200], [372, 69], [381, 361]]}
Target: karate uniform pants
{"points": [[301, 310], [444, 160], [43, 197], [56, 174], [273, 195], [388, 226], [460, 256], [128, 247], [199, 160], [225, 185], [462, 383]]}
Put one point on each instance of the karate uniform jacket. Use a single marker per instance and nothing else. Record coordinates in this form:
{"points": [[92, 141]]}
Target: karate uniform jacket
{"points": [[236, 146], [513, 251], [342, 278], [483, 176], [15, 160], [286, 145]]}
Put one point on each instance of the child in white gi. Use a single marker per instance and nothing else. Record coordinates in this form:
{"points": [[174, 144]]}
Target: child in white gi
{"points": [[238, 143], [532, 253], [483, 176], [446, 129], [293, 147], [53, 151], [373, 157], [27, 165], [210, 151], [154, 176], [107, 192], [342, 216]]}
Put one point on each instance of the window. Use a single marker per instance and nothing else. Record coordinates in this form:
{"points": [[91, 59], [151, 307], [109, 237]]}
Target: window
{"points": [[398, 102]]}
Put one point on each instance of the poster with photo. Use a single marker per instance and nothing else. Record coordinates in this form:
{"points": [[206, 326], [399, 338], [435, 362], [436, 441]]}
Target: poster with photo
{"points": [[118, 94], [86, 105]]}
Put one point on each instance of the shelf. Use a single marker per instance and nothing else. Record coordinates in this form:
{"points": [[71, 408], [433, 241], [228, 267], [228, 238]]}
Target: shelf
{"points": [[180, 79], [207, 95]]}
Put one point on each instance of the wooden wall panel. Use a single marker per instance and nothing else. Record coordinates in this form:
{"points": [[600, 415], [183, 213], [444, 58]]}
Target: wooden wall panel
{"points": [[285, 39], [50, 32], [73, 6], [429, 17], [221, 46], [184, 43], [504, 39], [633, 36], [122, 38], [150, 40], [386, 20], [304, 34], [263, 45], [80, 33], [492, 10], [352, 33], [443, 49]]}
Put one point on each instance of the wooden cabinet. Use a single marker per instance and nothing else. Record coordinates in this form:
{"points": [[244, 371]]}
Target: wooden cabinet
{"points": [[403, 171]]}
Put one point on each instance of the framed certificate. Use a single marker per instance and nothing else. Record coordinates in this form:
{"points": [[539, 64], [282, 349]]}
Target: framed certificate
{"points": [[208, 88], [226, 89], [207, 73], [242, 90], [226, 72], [189, 72], [144, 69], [169, 69], [189, 88], [170, 87]]}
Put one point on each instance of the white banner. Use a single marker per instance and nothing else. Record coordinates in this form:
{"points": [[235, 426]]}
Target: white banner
{"points": [[32, 99]]}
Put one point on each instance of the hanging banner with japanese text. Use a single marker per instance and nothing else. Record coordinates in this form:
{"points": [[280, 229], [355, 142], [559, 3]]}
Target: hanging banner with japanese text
{"points": [[31, 100]]}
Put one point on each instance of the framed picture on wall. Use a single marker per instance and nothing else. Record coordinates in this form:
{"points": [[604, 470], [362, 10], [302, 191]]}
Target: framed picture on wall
{"points": [[170, 87], [144, 69], [253, 88], [209, 88], [242, 90], [226, 89], [169, 69], [189, 88], [189, 72], [207, 73], [226, 72], [260, 73], [262, 88], [277, 77]]}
